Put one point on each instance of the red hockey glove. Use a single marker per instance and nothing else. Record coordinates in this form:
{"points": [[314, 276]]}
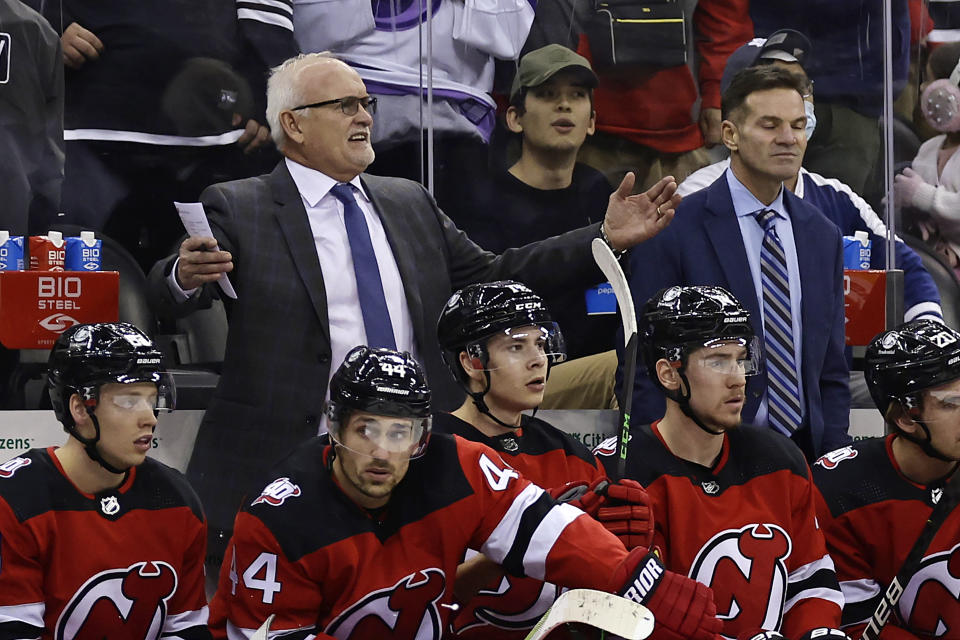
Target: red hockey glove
{"points": [[627, 513], [683, 608], [586, 497]]}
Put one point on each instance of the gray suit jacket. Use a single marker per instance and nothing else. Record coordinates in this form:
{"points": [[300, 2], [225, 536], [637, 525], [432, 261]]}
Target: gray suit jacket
{"points": [[277, 363]]}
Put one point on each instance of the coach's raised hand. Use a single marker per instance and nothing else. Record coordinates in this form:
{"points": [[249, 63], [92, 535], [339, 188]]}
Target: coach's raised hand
{"points": [[631, 219]]}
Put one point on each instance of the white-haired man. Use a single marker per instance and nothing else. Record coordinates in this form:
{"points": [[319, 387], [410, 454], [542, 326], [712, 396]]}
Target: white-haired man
{"points": [[324, 258]]}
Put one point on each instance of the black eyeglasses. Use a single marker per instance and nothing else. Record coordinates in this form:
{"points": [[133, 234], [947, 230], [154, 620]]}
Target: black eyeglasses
{"points": [[349, 105]]}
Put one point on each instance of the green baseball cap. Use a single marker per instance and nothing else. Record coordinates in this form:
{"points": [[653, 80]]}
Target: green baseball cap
{"points": [[541, 64]]}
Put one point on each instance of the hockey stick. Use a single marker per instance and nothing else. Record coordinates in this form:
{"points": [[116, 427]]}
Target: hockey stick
{"points": [[888, 603], [600, 610], [607, 262], [264, 631]]}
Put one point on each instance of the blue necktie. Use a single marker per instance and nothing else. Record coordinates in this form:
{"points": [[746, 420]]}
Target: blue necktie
{"points": [[373, 304], [783, 392]]}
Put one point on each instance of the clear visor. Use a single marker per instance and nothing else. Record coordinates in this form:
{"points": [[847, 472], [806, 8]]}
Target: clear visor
{"points": [[737, 356], [160, 396], [519, 347], [367, 434], [938, 406]]}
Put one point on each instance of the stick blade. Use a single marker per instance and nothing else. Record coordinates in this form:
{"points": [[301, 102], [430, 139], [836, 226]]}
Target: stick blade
{"points": [[264, 631], [608, 264], [598, 609]]}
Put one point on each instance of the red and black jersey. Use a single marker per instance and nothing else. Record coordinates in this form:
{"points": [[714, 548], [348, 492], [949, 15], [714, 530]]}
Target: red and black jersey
{"points": [[746, 527], [871, 515], [509, 608], [124, 563], [304, 551]]}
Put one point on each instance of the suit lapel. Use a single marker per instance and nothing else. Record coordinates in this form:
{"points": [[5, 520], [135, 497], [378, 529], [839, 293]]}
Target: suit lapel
{"points": [[295, 226], [723, 229], [391, 211]]}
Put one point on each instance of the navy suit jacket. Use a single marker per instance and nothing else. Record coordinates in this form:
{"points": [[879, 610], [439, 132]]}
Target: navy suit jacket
{"points": [[703, 246]]}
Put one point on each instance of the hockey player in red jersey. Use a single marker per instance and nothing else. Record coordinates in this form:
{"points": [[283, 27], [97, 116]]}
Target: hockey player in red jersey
{"points": [[878, 493], [96, 539], [361, 538], [733, 504], [499, 341]]}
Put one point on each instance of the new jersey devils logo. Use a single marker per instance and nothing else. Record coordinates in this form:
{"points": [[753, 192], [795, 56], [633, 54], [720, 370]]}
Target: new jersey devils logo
{"points": [[120, 604], [931, 600], [408, 609], [835, 457], [277, 492], [746, 570], [8, 468], [606, 448]]}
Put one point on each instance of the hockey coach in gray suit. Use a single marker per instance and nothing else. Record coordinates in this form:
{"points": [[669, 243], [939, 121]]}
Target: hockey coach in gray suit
{"points": [[324, 257]]}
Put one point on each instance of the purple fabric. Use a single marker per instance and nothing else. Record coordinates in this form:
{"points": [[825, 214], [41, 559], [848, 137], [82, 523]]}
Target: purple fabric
{"points": [[482, 115], [400, 15]]}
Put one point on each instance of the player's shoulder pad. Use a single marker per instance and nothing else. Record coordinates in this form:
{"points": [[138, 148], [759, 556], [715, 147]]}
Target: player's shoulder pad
{"points": [[759, 451], [647, 459], [28, 482], [162, 486], [858, 475], [541, 437], [292, 484]]}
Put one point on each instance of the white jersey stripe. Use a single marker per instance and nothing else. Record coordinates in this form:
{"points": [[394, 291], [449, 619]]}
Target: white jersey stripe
{"points": [[802, 573], [543, 539], [266, 17], [501, 540], [179, 621], [820, 593], [859, 590], [286, 7], [31, 613]]}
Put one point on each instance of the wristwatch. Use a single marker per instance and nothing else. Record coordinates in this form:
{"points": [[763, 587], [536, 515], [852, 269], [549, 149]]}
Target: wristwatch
{"points": [[617, 253]]}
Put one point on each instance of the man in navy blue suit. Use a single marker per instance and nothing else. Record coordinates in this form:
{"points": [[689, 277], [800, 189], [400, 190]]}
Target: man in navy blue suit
{"points": [[717, 239]]}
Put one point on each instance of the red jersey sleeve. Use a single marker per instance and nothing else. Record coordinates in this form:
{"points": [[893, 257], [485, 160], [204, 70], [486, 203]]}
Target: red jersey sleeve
{"points": [[256, 580], [21, 578], [813, 593], [187, 612], [526, 531]]}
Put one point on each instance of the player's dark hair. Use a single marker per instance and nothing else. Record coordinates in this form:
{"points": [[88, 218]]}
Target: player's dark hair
{"points": [[754, 79]]}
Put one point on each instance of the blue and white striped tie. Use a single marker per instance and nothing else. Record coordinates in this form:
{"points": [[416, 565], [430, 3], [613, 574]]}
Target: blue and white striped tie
{"points": [[783, 392]]}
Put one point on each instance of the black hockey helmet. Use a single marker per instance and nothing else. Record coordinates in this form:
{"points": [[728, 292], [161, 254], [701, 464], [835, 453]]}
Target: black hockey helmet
{"points": [[679, 319], [382, 382], [477, 312], [902, 362], [87, 356]]}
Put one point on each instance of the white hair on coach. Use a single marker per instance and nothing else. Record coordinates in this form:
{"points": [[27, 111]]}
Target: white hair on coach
{"points": [[284, 92]]}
